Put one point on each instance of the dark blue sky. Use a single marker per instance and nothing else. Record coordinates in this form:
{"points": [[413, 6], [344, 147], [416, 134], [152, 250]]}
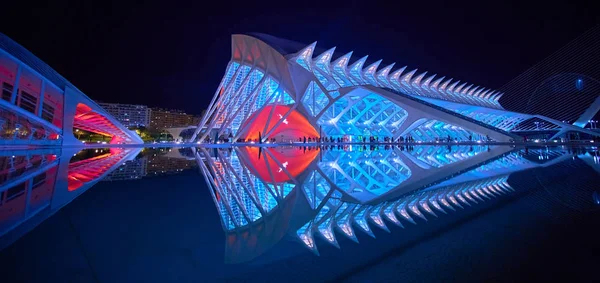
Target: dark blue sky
{"points": [[173, 54]]}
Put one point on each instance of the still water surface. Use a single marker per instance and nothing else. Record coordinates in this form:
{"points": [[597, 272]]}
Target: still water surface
{"points": [[356, 213]]}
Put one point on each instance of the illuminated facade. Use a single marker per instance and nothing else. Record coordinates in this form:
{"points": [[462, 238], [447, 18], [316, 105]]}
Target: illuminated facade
{"points": [[40, 107], [35, 183], [130, 115], [273, 93], [263, 194], [164, 118]]}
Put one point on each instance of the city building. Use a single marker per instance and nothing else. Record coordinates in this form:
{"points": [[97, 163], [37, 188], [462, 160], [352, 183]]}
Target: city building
{"points": [[130, 170], [40, 107], [166, 161], [169, 118], [278, 89], [130, 115]]}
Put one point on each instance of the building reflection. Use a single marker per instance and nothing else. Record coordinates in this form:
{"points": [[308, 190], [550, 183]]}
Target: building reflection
{"points": [[37, 183], [154, 162], [262, 196]]}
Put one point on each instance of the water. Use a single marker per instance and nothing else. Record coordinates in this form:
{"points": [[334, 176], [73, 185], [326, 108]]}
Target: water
{"points": [[354, 213]]}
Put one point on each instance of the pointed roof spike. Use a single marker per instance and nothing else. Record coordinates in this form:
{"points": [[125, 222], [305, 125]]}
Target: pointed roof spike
{"points": [[344, 225], [342, 62], [445, 202], [437, 82], [434, 201], [402, 210], [326, 232], [307, 51], [492, 95], [450, 89], [472, 91], [476, 94], [382, 76], [360, 219], [322, 61], [386, 70], [394, 77], [486, 94], [388, 212], [459, 88], [326, 55], [373, 67], [415, 209], [417, 81], [306, 237], [304, 56], [359, 63], [442, 88], [498, 98], [369, 72], [488, 192], [452, 199], [425, 205], [356, 68], [474, 193], [464, 92], [427, 81], [460, 197], [405, 80], [375, 217]]}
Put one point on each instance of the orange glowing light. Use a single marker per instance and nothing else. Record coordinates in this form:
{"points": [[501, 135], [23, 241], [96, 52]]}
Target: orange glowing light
{"points": [[293, 126]]}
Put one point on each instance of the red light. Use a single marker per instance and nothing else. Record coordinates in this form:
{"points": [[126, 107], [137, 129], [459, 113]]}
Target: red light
{"points": [[269, 166], [294, 127]]}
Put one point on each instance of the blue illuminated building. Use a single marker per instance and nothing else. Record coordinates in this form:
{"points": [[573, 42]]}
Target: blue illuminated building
{"points": [[287, 93]]}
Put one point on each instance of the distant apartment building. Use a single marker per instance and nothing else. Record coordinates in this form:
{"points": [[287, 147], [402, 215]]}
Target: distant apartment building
{"points": [[168, 118], [130, 170], [130, 115], [165, 161]]}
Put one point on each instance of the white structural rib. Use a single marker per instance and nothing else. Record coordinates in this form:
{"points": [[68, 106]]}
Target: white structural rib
{"points": [[304, 57], [322, 61], [382, 76], [399, 80], [355, 70], [369, 73]]}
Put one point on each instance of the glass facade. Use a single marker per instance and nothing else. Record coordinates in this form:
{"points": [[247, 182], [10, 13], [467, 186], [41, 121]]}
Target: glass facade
{"points": [[357, 118], [346, 101]]}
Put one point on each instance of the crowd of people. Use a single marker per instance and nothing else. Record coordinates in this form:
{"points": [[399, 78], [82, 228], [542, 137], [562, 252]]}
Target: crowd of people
{"points": [[345, 139]]}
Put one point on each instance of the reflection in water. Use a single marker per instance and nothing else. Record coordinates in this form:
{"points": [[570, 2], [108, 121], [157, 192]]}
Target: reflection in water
{"points": [[261, 195], [264, 195], [37, 183]]}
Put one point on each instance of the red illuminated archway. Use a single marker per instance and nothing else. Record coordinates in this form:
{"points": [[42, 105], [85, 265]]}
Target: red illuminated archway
{"points": [[293, 126], [273, 163], [91, 121]]}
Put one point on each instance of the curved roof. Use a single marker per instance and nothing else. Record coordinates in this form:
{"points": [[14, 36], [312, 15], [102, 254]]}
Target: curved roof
{"points": [[32, 61], [288, 47], [282, 45]]}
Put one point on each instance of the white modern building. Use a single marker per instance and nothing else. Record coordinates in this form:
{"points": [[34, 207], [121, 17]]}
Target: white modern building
{"points": [[40, 107], [272, 90]]}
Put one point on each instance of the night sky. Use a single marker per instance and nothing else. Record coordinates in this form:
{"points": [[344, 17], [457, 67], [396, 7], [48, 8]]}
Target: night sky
{"points": [[172, 55]]}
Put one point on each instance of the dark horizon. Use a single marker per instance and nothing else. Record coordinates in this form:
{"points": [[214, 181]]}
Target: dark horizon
{"points": [[174, 56]]}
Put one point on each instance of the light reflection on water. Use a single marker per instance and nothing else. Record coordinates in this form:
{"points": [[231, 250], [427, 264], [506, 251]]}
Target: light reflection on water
{"points": [[310, 195]]}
